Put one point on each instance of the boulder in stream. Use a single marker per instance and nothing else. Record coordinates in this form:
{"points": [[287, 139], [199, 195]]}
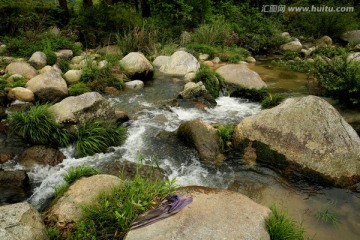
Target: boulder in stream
{"points": [[180, 63], [198, 93], [17, 178], [22, 68], [40, 154], [137, 66], [305, 132]]}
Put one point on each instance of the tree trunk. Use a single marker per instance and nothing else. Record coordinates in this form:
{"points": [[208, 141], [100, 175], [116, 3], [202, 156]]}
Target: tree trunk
{"points": [[145, 8], [87, 3]]}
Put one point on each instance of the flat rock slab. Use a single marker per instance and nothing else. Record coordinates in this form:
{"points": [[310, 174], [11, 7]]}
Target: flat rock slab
{"points": [[213, 214]]}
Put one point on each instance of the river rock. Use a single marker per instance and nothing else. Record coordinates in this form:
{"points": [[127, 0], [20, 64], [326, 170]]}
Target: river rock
{"points": [[73, 76], [294, 46], [198, 93], [308, 133], [351, 36], [324, 41], [216, 60], [136, 65], [209, 63], [354, 57], [21, 94], [17, 178], [48, 86], [121, 116], [38, 60], [6, 156], [43, 155], [45, 69], [87, 106], [22, 68], [103, 64], [110, 50], [189, 77], [161, 60], [250, 59], [67, 209], [64, 54], [134, 85], [181, 63], [14, 77], [21, 221], [203, 137], [77, 59], [241, 76], [213, 214]]}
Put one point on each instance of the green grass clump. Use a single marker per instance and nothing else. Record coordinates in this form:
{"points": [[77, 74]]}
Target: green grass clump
{"points": [[64, 65], [328, 214], [272, 101], [94, 138], [51, 57], [234, 54], [210, 80], [97, 79], [225, 133], [37, 127], [330, 51], [78, 89], [79, 172], [289, 55], [112, 213], [4, 83], [203, 48], [281, 227], [168, 49]]}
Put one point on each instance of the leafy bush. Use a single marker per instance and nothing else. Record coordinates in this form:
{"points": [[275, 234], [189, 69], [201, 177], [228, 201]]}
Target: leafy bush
{"points": [[168, 49], [210, 80], [94, 138], [79, 172], [4, 83], [234, 54], [272, 100], [252, 93], [203, 48], [36, 126], [330, 52], [78, 89], [97, 79], [225, 132], [281, 227], [289, 55], [51, 57]]}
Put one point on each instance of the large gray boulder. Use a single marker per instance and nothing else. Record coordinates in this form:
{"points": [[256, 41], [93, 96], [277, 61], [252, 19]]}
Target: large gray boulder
{"points": [[293, 46], [351, 36], [241, 76], [213, 214], [305, 132], [87, 106], [38, 60], [22, 68], [67, 209], [48, 86], [161, 60], [137, 66], [203, 137], [21, 221], [180, 63], [40, 154]]}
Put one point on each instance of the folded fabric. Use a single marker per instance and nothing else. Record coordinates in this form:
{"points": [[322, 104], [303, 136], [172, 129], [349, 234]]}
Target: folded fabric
{"points": [[168, 207]]}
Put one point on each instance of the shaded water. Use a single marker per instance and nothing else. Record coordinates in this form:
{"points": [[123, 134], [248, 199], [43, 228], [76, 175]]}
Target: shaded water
{"points": [[151, 134]]}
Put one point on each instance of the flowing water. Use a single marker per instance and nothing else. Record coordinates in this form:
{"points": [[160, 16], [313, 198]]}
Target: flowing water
{"points": [[151, 134]]}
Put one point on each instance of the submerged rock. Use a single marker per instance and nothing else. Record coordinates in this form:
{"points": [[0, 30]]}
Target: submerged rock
{"points": [[21, 221], [204, 137], [136, 65], [181, 63], [306, 132], [213, 214]]}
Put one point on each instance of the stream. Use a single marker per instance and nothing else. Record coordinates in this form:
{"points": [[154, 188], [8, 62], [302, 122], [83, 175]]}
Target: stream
{"points": [[151, 135]]}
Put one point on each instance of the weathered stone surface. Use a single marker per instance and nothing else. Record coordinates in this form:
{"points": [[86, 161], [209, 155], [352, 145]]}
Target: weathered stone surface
{"points": [[5, 156], [38, 60], [44, 155], [351, 36], [202, 136], [22, 68], [308, 133], [121, 116], [294, 46], [241, 76], [181, 63], [354, 57], [21, 221], [67, 210], [110, 50], [64, 54], [17, 178], [134, 85], [197, 92], [209, 63], [21, 94], [216, 60], [161, 60], [73, 76], [213, 214], [45, 69], [87, 106], [324, 41], [48, 86], [250, 59], [136, 65]]}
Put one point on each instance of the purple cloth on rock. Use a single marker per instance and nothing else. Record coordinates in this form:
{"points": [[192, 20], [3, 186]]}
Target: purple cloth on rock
{"points": [[168, 207]]}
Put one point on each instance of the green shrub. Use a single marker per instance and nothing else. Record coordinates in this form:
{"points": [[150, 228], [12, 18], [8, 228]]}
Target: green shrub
{"points": [[36, 126], [296, 66], [225, 133], [218, 33], [203, 48], [329, 51], [94, 138], [289, 55], [97, 79], [209, 78], [78, 89], [272, 101], [168, 49], [234, 54], [64, 65], [4, 83], [51, 57], [252, 94], [75, 173], [54, 233], [281, 227]]}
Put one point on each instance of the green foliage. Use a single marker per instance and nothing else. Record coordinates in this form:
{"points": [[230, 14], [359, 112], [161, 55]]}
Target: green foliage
{"points": [[64, 65], [209, 78], [304, 66], [16, 82], [79, 172], [218, 33], [272, 101], [234, 54], [36, 126], [112, 213], [78, 89], [328, 214], [168, 49], [51, 57], [225, 133], [252, 94], [97, 79], [203, 48], [94, 138], [330, 51], [281, 227], [290, 55], [54, 233]]}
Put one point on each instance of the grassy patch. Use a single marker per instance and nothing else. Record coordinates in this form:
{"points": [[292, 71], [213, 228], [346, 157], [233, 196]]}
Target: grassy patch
{"points": [[210, 80], [5, 83], [252, 94], [202, 48], [79, 172], [78, 89], [225, 133], [94, 138], [328, 214], [272, 101], [281, 227], [234, 54]]}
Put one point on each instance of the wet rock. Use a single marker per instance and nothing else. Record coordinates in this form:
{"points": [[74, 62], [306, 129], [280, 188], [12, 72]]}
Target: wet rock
{"points": [[73, 76], [6, 156], [307, 133], [203, 137], [161, 60], [136, 65], [121, 116], [21, 94], [67, 209], [87, 106], [213, 214], [44, 155], [48, 87], [22, 68], [21, 221], [294, 46], [111, 90], [17, 178], [64, 54], [351, 36], [241, 76], [134, 85], [38, 60], [181, 63], [198, 93]]}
